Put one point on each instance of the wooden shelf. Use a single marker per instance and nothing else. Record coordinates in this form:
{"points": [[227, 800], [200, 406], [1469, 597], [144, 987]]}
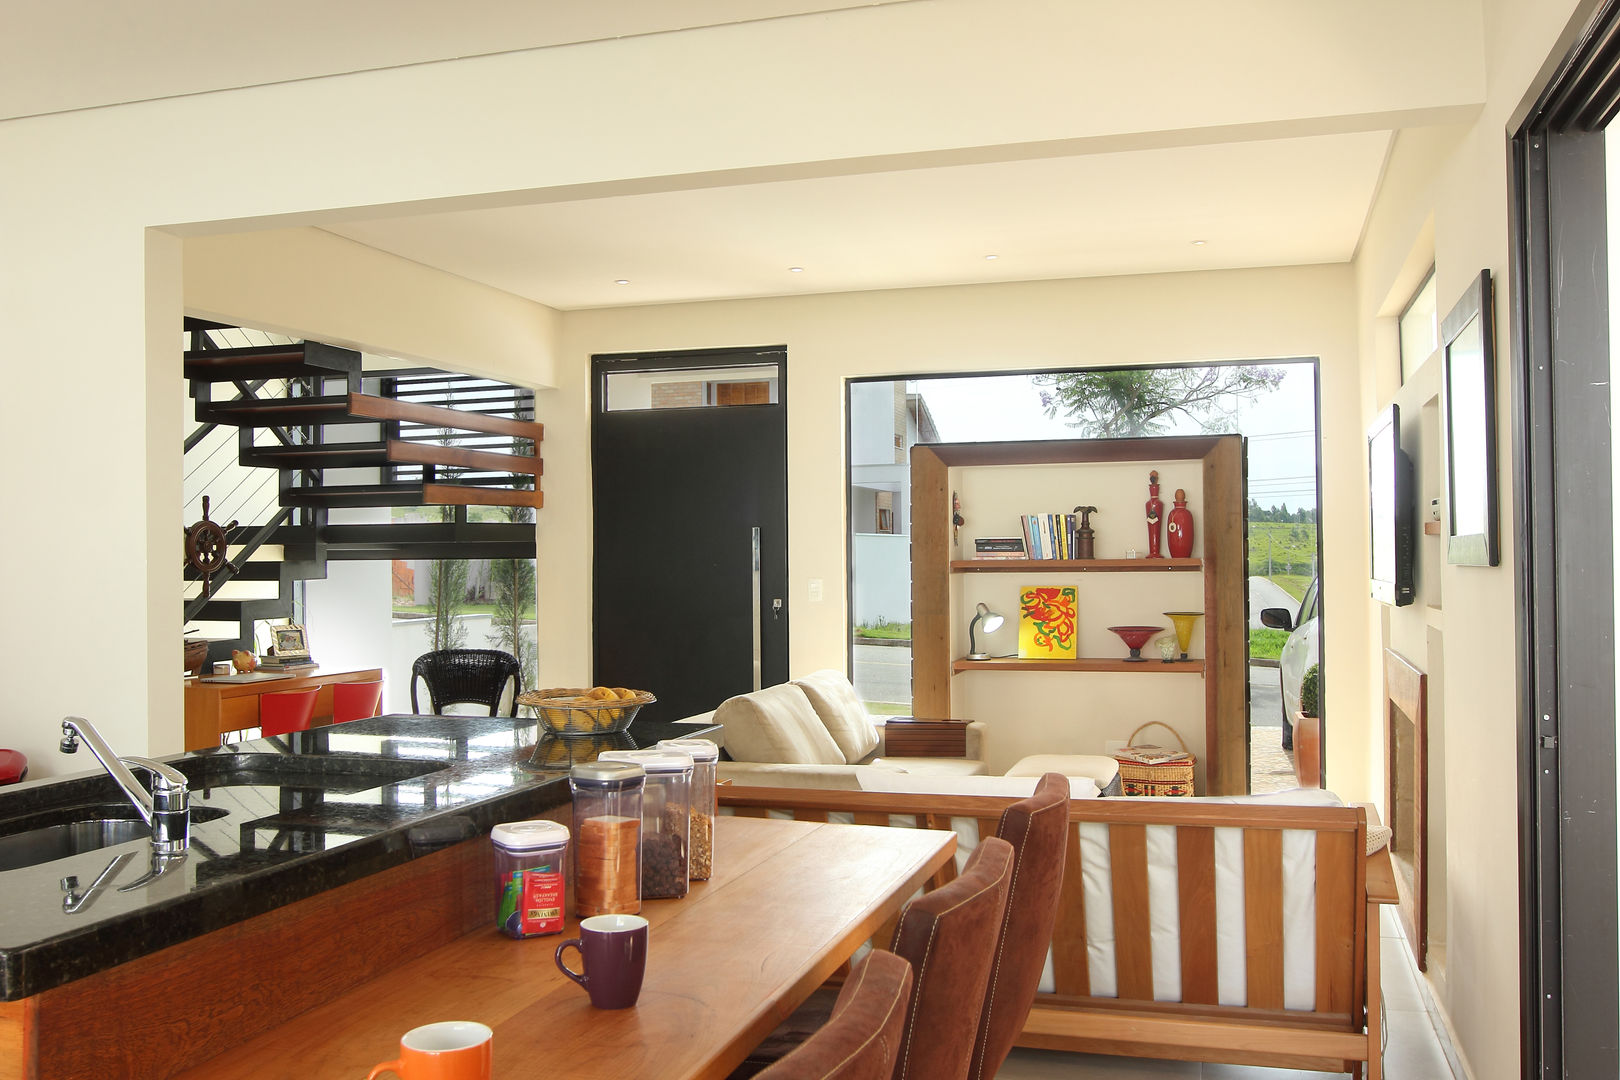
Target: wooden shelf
{"points": [[1074, 566], [1135, 667]]}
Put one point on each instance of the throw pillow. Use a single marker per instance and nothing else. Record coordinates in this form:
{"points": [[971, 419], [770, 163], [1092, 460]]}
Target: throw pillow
{"points": [[778, 725], [840, 709]]}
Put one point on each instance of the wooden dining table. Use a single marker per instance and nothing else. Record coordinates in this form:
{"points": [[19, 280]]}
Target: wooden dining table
{"points": [[789, 902]]}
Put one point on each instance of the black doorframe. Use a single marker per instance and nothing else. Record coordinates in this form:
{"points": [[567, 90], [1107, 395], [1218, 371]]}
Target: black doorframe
{"points": [[1316, 455], [771, 614], [1564, 565]]}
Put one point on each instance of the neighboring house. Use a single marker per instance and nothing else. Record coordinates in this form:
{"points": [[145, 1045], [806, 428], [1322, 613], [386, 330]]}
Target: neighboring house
{"points": [[884, 423]]}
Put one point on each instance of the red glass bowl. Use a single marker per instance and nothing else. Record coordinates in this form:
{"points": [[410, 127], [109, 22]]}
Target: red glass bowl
{"points": [[1136, 637]]}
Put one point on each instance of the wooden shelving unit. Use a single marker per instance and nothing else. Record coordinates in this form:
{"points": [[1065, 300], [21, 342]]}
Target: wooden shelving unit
{"points": [[1223, 562], [1144, 666], [1075, 566]]}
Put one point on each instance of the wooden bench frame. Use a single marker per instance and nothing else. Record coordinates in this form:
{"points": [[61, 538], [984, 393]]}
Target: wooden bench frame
{"points": [[1343, 1033]]}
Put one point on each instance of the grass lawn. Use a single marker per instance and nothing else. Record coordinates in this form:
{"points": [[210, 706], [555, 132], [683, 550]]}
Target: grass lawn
{"points": [[1277, 548], [423, 609], [887, 708], [1266, 643], [1293, 584], [886, 632]]}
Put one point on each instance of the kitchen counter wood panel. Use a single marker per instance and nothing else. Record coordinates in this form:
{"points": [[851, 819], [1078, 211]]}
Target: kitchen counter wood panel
{"points": [[155, 1015], [790, 901]]}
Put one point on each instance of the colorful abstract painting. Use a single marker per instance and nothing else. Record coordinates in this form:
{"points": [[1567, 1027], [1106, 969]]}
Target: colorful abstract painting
{"points": [[1046, 622]]}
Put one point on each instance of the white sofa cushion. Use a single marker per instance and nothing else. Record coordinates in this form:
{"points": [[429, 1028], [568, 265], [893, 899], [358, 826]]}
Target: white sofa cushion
{"points": [[1017, 787], [840, 709], [776, 724], [934, 766], [1100, 768]]}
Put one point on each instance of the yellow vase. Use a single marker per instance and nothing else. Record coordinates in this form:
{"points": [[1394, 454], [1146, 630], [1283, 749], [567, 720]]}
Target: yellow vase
{"points": [[1184, 621]]}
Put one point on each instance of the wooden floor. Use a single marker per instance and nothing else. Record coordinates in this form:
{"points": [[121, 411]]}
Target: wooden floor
{"points": [[1414, 1050]]}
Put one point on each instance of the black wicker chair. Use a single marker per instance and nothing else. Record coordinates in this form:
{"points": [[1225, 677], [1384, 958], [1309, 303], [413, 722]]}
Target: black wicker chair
{"points": [[466, 677]]}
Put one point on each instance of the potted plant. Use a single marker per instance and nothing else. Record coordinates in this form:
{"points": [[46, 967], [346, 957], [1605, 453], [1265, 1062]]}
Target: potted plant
{"points": [[1308, 729]]}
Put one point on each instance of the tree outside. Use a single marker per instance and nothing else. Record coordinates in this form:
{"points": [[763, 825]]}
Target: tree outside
{"points": [[1132, 402], [447, 593]]}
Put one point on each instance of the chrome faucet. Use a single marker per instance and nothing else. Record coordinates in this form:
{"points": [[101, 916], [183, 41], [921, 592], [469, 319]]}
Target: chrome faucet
{"points": [[166, 809]]}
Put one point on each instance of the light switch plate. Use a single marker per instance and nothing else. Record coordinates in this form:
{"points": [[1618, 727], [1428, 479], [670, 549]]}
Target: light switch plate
{"points": [[815, 590]]}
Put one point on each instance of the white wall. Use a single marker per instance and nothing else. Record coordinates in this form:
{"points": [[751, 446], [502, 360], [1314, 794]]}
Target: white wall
{"points": [[1247, 314], [883, 587], [1445, 197]]}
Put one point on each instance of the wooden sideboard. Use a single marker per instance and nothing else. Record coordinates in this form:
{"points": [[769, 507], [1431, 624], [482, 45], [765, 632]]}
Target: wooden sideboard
{"points": [[213, 708]]}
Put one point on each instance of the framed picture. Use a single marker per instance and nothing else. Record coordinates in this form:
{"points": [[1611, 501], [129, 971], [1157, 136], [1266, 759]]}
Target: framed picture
{"points": [[1468, 402], [290, 642]]}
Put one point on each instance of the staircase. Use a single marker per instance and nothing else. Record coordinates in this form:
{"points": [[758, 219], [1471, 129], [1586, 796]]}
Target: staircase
{"points": [[292, 406]]}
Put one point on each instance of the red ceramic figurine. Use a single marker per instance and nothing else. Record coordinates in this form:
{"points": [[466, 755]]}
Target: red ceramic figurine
{"points": [[1179, 532], [1155, 510]]}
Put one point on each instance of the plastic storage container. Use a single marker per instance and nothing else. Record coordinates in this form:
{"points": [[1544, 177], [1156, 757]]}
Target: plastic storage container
{"points": [[666, 813], [530, 872], [705, 805], [607, 837]]}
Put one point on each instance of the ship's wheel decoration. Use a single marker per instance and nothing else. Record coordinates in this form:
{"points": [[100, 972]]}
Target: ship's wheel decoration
{"points": [[206, 547]]}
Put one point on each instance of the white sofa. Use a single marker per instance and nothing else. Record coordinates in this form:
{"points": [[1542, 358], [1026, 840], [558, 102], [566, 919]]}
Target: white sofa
{"points": [[814, 732]]}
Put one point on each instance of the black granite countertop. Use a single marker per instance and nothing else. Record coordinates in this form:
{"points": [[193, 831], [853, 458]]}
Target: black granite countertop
{"points": [[273, 821]]}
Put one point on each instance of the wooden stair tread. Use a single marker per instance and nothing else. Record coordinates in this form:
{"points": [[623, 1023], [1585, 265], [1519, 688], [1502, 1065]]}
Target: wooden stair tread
{"points": [[262, 411], [270, 362]]}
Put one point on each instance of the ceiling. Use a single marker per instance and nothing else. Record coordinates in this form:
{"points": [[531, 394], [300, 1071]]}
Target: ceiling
{"points": [[1274, 202], [1230, 201]]}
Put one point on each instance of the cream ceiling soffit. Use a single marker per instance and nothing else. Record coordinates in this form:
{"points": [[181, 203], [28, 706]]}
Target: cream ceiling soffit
{"points": [[79, 54], [1393, 120]]}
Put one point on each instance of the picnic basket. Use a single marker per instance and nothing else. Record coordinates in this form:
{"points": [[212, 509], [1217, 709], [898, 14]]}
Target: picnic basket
{"points": [[1147, 769]]}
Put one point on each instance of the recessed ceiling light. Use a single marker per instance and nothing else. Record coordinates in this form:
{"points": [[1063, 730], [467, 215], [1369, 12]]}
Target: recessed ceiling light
{"points": [[795, 269], [992, 256], [622, 281], [1199, 243]]}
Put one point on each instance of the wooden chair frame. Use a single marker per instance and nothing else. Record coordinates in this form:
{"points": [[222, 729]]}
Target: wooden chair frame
{"points": [[1343, 1033]]}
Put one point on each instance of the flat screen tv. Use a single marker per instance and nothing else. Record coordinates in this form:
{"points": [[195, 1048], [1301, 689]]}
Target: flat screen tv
{"points": [[1394, 511]]}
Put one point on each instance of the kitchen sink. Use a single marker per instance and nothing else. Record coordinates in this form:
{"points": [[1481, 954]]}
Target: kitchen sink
{"points": [[335, 773], [48, 835], [75, 838]]}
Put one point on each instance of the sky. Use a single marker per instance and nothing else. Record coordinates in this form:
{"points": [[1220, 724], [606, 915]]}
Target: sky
{"points": [[1281, 425]]}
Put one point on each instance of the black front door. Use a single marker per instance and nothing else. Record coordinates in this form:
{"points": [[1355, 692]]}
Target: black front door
{"points": [[689, 470]]}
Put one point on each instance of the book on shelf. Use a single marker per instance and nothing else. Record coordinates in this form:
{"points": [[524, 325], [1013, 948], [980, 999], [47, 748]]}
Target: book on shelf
{"points": [[1007, 546], [1051, 536]]}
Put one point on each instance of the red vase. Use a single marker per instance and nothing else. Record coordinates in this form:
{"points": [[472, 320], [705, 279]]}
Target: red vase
{"points": [[1155, 512], [1179, 532]]}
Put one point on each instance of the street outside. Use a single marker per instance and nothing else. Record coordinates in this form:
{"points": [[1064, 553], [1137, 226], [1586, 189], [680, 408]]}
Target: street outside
{"points": [[883, 675]]}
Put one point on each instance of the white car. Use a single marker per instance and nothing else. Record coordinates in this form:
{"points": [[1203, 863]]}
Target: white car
{"points": [[1302, 649]]}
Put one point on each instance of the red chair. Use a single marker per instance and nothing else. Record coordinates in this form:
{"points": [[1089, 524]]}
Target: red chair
{"points": [[287, 711], [13, 766], [355, 700]]}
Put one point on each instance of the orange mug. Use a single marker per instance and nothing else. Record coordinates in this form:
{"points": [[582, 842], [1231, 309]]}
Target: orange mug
{"points": [[449, 1050]]}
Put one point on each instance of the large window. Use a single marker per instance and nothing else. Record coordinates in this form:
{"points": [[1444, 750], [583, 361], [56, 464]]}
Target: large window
{"points": [[1274, 404]]}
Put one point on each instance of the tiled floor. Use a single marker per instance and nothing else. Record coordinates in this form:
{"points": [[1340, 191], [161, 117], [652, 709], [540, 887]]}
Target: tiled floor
{"points": [[1412, 1051]]}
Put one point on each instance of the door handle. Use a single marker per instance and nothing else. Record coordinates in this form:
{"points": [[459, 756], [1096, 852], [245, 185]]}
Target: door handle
{"points": [[758, 649]]}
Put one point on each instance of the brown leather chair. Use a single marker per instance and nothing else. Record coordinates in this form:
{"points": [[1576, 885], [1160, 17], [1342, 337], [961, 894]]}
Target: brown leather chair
{"points": [[1038, 830], [949, 935], [862, 1039]]}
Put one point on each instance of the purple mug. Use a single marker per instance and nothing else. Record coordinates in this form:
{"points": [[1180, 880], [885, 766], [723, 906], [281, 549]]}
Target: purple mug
{"points": [[614, 949]]}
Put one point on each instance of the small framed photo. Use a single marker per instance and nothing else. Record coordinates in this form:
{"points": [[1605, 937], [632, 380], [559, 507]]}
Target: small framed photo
{"points": [[291, 643], [1468, 401]]}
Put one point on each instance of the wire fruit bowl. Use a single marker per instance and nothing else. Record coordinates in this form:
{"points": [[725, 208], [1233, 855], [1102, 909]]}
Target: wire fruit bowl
{"points": [[574, 711]]}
